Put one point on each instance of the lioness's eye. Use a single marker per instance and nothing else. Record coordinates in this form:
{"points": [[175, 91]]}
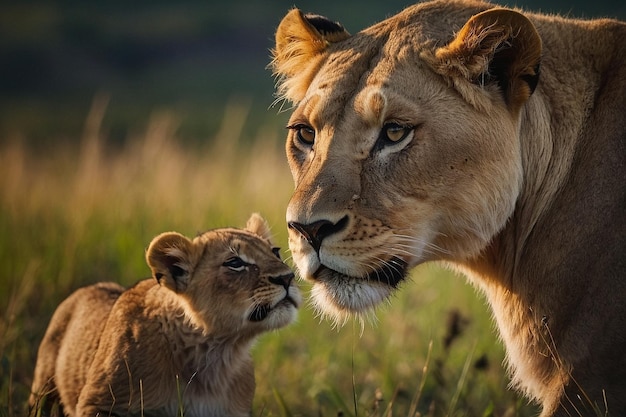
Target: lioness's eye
{"points": [[393, 132], [305, 134], [235, 263]]}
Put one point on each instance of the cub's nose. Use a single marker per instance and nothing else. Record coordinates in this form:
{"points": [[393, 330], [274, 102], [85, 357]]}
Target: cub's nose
{"points": [[284, 280], [316, 232]]}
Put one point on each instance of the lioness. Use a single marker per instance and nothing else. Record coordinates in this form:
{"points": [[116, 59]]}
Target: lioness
{"points": [[176, 343], [489, 138]]}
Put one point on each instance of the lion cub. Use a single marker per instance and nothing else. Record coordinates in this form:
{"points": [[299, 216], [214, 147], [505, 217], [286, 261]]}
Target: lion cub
{"points": [[178, 342]]}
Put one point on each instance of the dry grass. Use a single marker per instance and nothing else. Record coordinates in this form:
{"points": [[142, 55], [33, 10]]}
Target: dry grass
{"points": [[79, 214]]}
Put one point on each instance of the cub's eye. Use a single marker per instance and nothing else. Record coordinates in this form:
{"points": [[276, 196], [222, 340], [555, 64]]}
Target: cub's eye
{"points": [[394, 132], [236, 264], [276, 252], [304, 134]]}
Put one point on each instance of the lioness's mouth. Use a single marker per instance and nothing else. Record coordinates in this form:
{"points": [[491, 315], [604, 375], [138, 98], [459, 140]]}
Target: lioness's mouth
{"points": [[338, 295], [391, 273]]}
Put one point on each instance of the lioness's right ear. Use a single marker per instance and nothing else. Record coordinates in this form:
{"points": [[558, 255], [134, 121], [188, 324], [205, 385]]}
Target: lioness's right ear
{"points": [[498, 45], [300, 41], [171, 258]]}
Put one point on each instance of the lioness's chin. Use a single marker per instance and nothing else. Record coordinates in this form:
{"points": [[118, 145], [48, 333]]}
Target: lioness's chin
{"points": [[339, 296]]}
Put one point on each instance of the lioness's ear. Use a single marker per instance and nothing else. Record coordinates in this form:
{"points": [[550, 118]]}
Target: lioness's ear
{"points": [[171, 258], [498, 45], [300, 41], [259, 226]]}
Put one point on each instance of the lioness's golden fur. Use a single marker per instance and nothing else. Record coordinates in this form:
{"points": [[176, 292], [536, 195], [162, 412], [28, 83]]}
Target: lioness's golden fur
{"points": [[489, 138], [178, 341]]}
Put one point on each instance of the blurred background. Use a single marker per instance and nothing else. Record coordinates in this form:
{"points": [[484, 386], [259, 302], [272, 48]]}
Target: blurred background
{"points": [[189, 57], [120, 120]]}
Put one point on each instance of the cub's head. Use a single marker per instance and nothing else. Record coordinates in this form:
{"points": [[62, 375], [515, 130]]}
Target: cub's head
{"points": [[231, 280], [403, 143]]}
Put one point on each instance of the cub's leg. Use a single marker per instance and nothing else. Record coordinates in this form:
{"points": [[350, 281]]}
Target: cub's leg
{"points": [[68, 346], [44, 393]]}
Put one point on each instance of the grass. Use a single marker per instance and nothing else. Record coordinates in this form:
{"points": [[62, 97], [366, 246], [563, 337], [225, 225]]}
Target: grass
{"points": [[74, 215]]}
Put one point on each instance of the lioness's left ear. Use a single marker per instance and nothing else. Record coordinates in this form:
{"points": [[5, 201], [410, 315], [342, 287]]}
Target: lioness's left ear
{"points": [[172, 258], [498, 45], [300, 40], [258, 225]]}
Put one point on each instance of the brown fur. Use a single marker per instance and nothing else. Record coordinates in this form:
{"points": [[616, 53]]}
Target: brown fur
{"points": [[178, 341], [488, 138]]}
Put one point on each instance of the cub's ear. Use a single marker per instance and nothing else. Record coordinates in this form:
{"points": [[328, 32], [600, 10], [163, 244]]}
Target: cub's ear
{"points": [[301, 40], [498, 45], [171, 258], [258, 225]]}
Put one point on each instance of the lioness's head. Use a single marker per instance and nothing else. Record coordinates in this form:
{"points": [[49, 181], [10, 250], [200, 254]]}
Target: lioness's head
{"points": [[231, 280], [403, 143]]}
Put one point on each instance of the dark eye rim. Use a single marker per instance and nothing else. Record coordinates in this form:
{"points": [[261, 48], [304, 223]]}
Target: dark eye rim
{"points": [[384, 137], [235, 263], [276, 252], [297, 128]]}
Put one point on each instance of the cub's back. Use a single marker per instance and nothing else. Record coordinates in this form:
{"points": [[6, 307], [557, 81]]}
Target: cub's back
{"points": [[70, 342]]}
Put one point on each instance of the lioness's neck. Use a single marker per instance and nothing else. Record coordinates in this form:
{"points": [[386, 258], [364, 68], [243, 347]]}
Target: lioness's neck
{"points": [[571, 190], [555, 118]]}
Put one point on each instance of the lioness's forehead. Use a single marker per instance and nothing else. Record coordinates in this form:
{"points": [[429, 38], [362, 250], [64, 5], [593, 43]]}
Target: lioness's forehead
{"points": [[361, 76], [370, 56], [371, 99]]}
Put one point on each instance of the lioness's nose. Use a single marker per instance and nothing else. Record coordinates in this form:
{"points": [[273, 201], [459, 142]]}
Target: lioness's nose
{"points": [[316, 232]]}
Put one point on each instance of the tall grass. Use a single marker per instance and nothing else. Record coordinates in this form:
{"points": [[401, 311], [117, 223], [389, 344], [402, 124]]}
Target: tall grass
{"points": [[75, 215]]}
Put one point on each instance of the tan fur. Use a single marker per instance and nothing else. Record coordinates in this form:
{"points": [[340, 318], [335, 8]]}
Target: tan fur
{"points": [[178, 341], [488, 138]]}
